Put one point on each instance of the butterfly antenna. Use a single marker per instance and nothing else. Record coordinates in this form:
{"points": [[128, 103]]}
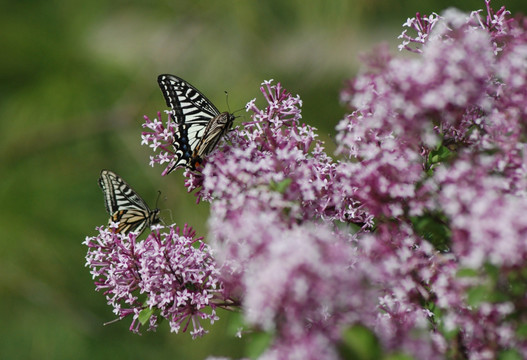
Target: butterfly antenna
{"points": [[239, 116], [228, 107], [227, 101], [158, 196]]}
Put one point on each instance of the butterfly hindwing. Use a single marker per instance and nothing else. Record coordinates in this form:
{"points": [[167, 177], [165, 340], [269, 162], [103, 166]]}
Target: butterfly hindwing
{"points": [[124, 205], [200, 125], [212, 134], [130, 220]]}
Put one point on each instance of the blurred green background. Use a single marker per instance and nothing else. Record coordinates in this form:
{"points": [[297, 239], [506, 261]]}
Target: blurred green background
{"points": [[76, 78]]}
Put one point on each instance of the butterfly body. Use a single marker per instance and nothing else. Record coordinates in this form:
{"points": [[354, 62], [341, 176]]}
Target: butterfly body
{"points": [[215, 130], [125, 206], [200, 125]]}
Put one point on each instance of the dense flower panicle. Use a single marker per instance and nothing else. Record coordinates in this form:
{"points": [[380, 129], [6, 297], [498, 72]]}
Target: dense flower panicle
{"points": [[164, 272], [276, 276], [278, 162], [412, 97], [448, 128], [425, 298], [297, 280], [383, 183], [496, 23], [484, 218], [405, 269], [406, 108], [403, 108]]}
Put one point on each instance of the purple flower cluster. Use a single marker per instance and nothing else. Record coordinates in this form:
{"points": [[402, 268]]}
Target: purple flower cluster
{"points": [[416, 235], [171, 274], [407, 271], [437, 142], [276, 164]]}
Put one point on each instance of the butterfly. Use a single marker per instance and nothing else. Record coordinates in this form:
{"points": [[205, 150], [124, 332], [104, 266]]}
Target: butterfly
{"points": [[124, 205], [200, 125]]}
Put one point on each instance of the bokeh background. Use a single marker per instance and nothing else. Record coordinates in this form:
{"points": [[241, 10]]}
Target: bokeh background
{"points": [[76, 78]]}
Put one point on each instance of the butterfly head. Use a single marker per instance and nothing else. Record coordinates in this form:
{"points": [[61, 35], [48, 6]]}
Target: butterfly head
{"points": [[154, 214], [154, 217]]}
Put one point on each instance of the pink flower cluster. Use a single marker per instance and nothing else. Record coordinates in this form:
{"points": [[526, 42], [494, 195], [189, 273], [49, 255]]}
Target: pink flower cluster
{"points": [[275, 163], [437, 142], [170, 274]]}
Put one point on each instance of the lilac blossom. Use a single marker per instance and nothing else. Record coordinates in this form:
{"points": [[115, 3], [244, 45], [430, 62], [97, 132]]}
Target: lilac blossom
{"points": [[440, 138], [277, 162], [171, 274]]}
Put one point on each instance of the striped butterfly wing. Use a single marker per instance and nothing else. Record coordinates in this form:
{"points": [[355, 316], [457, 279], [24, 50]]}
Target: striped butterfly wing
{"points": [[200, 125], [124, 205]]}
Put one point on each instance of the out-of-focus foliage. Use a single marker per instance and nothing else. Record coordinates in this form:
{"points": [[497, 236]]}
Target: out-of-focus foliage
{"points": [[76, 78]]}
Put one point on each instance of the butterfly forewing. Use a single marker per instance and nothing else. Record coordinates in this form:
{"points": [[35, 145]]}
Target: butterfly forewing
{"points": [[199, 123], [124, 205], [187, 102]]}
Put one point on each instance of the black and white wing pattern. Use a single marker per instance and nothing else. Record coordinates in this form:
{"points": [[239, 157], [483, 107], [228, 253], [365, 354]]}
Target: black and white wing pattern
{"points": [[124, 205], [200, 125]]}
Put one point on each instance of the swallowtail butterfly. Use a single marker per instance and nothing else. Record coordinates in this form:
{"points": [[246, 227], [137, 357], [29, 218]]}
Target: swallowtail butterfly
{"points": [[124, 205], [200, 125]]}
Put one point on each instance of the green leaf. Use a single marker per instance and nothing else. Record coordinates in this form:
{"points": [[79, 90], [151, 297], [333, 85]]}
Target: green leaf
{"points": [[144, 315], [190, 286], [434, 228], [521, 331], [493, 271], [467, 272], [477, 295], [281, 186], [359, 343], [517, 282], [438, 313], [441, 154]]}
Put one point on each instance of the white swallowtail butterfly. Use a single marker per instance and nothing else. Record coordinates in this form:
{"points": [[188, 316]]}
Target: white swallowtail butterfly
{"points": [[124, 205], [200, 125]]}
